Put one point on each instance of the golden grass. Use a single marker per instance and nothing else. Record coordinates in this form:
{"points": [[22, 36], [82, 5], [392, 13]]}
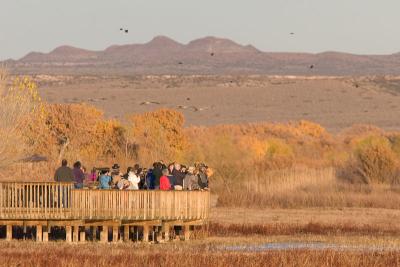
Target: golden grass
{"points": [[29, 254], [305, 187]]}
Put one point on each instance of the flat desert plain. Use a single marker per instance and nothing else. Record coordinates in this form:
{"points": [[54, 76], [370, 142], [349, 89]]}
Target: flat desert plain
{"points": [[334, 102]]}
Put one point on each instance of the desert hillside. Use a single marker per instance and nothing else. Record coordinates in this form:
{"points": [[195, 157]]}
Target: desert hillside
{"points": [[209, 55]]}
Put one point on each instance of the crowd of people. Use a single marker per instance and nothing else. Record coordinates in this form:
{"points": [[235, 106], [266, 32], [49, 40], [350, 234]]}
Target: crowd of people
{"points": [[160, 176]]}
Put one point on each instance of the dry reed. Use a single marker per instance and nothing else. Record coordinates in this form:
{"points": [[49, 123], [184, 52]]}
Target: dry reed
{"points": [[30, 254]]}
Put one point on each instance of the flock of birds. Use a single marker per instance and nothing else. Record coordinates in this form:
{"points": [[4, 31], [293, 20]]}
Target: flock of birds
{"points": [[126, 31]]}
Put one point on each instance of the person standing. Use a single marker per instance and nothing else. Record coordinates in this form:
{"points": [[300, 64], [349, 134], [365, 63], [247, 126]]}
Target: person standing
{"points": [[191, 181], [64, 173], [164, 181], [178, 177], [134, 179], [105, 179], [157, 172], [79, 176]]}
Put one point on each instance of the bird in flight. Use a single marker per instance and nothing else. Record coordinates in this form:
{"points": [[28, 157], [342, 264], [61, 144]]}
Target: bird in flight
{"points": [[212, 54], [180, 63], [292, 33], [311, 66], [126, 31]]}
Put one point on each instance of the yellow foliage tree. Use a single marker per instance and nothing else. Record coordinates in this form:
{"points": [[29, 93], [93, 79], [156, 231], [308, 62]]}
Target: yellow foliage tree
{"points": [[157, 135], [18, 104], [76, 132]]}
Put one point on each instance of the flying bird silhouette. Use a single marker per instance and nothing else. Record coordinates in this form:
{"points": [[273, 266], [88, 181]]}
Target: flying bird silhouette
{"points": [[126, 31], [180, 63], [311, 66], [212, 54]]}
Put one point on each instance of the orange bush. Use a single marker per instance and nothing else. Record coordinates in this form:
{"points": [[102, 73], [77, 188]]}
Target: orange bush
{"points": [[373, 162], [157, 135]]}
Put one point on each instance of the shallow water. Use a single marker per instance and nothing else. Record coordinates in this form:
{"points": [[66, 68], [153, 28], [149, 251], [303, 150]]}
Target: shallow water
{"points": [[307, 245]]}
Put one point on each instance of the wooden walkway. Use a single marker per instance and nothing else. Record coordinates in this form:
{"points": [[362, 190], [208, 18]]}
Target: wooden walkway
{"points": [[128, 213]]}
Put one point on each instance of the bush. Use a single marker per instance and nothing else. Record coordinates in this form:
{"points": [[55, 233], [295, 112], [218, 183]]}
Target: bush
{"points": [[18, 105], [158, 135], [373, 162]]}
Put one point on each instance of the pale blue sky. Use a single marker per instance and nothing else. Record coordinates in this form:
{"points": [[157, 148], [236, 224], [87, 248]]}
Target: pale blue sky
{"points": [[357, 26]]}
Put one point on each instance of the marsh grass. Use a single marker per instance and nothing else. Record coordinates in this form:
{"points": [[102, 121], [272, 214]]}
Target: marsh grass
{"points": [[30, 254], [218, 229], [306, 187]]}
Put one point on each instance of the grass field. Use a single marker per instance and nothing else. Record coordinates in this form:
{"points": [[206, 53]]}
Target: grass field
{"points": [[211, 251]]}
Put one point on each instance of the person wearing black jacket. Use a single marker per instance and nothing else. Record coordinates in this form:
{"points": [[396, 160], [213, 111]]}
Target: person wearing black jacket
{"points": [[157, 172], [178, 177]]}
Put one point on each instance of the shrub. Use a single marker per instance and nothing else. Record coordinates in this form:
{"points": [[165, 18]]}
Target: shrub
{"points": [[18, 105], [373, 162], [158, 135]]}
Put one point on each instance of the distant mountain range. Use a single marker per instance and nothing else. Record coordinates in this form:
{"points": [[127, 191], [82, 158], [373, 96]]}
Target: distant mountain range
{"points": [[209, 55]]}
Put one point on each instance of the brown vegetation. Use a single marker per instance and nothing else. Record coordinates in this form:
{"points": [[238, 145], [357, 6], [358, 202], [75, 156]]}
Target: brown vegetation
{"points": [[296, 164], [27, 254], [312, 228]]}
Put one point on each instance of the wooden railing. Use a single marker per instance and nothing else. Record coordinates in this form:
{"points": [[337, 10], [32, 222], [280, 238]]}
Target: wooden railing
{"points": [[59, 201]]}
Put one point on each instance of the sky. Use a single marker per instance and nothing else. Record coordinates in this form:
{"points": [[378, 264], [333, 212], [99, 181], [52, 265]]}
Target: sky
{"points": [[354, 26]]}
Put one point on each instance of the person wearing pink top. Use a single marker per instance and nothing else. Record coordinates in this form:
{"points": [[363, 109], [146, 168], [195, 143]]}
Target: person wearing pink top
{"points": [[93, 175]]}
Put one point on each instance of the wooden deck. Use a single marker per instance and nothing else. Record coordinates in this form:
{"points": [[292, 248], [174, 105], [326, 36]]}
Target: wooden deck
{"points": [[58, 204]]}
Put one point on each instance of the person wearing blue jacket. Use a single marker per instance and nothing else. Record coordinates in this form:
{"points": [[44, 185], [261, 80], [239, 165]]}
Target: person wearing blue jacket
{"points": [[105, 180]]}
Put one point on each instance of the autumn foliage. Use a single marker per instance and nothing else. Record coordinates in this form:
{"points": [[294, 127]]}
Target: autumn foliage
{"points": [[314, 167]]}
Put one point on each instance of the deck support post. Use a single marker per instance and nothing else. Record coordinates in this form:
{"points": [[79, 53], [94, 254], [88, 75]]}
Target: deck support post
{"points": [[115, 233], [126, 233], [186, 232], [104, 234], [82, 237], [9, 232], [46, 233], [76, 234], [39, 233], [165, 230], [68, 233], [146, 233]]}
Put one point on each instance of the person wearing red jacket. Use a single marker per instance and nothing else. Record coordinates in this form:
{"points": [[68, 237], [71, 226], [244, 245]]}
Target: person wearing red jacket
{"points": [[164, 181]]}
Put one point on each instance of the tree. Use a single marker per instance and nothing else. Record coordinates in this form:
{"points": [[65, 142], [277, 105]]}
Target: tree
{"points": [[157, 135], [18, 104]]}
